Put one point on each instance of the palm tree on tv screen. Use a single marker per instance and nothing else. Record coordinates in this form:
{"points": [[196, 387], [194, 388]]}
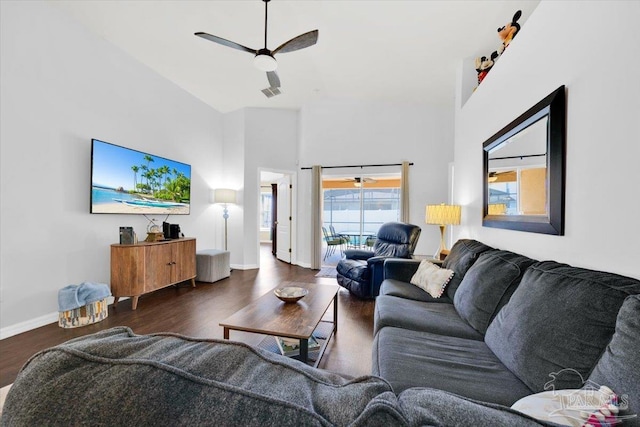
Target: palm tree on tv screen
{"points": [[159, 182], [135, 170]]}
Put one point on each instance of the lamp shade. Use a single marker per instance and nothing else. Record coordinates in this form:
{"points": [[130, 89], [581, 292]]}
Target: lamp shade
{"points": [[223, 195], [443, 214]]}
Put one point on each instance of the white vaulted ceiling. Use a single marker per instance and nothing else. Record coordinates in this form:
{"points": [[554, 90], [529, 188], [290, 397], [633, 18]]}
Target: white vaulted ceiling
{"points": [[397, 51]]}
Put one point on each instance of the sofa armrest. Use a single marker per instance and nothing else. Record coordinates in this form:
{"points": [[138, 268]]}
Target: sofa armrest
{"points": [[376, 260], [357, 254], [376, 267], [400, 268]]}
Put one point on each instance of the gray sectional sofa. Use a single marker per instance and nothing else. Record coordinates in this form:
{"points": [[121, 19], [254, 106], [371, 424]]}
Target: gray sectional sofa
{"points": [[117, 378], [507, 327], [505, 323]]}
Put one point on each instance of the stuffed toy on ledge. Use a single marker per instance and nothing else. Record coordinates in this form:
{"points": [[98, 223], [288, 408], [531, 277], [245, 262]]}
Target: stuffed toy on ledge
{"points": [[484, 64], [506, 34]]}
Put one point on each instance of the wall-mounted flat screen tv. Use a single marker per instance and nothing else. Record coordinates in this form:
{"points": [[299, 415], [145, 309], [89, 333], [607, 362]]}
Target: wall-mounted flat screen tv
{"points": [[126, 181]]}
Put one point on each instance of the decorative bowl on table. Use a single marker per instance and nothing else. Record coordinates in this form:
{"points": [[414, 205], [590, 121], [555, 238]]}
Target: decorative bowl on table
{"points": [[290, 293]]}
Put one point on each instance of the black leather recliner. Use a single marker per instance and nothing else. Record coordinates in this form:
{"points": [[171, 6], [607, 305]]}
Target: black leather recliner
{"points": [[361, 271]]}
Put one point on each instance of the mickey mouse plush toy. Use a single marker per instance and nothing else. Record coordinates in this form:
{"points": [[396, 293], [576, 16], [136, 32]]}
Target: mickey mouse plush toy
{"points": [[484, 64], [506, 34], [509, 31]]}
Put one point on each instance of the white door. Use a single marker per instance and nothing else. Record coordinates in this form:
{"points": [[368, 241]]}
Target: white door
{"points": [[283, 233]]}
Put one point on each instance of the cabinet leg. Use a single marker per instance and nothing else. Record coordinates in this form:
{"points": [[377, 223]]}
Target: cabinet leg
{"points": [[134, 302], [193, 282], [115, 301]]}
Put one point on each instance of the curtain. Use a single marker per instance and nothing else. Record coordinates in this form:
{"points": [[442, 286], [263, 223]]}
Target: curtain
{"points": [[316, 217], [404, 192]]}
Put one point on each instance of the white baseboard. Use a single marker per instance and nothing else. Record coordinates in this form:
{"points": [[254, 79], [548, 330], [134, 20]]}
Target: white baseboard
{"points": [[244, 267], [304, 264], [28, 325], [38, 322]]}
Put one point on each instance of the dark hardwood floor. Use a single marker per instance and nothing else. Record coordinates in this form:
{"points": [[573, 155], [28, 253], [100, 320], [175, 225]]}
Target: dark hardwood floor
{"points": [[197, 311]]}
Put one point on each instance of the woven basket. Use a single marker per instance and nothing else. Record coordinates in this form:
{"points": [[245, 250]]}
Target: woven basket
{"points": [[83, 316]]}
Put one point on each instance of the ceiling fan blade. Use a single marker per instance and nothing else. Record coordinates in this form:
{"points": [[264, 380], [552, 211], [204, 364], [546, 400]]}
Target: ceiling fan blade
{"points": [[297, 43], [226, 42], [274, 80]]}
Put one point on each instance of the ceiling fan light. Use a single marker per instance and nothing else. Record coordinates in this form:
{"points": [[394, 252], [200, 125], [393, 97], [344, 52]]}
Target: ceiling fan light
{"points": [[265, 62]]}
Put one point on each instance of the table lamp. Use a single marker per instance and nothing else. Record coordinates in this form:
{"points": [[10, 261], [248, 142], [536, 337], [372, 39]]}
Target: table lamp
{"points": [[224, 196], [442, 215]]}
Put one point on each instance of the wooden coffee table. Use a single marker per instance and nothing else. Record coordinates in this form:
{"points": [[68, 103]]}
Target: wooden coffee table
{"points": [[270, 316]]}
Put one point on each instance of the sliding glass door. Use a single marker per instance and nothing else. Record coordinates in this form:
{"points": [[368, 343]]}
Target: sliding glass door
{"points": [[356, 207]]}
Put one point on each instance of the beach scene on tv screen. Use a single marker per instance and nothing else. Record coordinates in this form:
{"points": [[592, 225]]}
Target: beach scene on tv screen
{"points": [[129, 181]]}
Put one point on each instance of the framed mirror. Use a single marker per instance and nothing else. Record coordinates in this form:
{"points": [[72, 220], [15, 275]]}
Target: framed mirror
{"points": [[523, 181]]}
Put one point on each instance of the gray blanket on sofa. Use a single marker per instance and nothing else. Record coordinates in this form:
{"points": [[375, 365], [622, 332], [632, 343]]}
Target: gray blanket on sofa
{"points": [[115, 377]]}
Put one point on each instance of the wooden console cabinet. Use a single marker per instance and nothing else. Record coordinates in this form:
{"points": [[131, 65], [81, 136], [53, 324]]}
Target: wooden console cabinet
{"points": [[147, 266]]}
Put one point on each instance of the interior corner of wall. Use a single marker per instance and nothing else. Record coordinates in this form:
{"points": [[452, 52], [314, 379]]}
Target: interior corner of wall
{"points": [[466, 81]]}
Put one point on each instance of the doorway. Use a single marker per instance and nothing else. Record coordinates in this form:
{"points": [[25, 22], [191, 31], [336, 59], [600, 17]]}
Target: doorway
{"points": [[275, 213]]}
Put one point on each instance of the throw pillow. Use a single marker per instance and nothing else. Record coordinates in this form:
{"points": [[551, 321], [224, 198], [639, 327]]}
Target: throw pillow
{"points": [[432, 278]]}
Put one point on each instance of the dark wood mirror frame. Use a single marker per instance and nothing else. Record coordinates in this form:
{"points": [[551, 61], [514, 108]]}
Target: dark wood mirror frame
{"points": [[553, 106]]}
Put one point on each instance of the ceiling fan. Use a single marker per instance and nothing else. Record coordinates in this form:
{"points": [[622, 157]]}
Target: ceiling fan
{"points": [[494, 176], [357, 181], [264, 58]]}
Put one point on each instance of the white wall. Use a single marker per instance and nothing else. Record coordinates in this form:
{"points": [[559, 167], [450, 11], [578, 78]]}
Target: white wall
{"points": [[61, 86], [349, 132], [271, 142], [233, 177], [254, 139], [558, 45]]}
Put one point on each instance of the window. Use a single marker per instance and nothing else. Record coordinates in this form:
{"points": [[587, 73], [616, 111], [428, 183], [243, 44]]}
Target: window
{"points": [[265, 210], [519, 191], [350, 208]]}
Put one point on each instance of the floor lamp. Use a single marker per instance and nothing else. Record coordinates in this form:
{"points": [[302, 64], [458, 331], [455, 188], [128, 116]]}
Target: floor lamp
{"points": [[442, 215], [224, 196]]}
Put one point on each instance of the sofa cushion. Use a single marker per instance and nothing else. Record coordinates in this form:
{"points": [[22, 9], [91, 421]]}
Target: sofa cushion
{"points": [[115, 377], [488, 285], [558, 323], [439, 319], [406, 290], [430, 407], [619, 366], [408, 359], [461, 257]]}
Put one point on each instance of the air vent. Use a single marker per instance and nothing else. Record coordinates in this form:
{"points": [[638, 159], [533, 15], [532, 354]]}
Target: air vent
{"points": [[271, 91]]}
